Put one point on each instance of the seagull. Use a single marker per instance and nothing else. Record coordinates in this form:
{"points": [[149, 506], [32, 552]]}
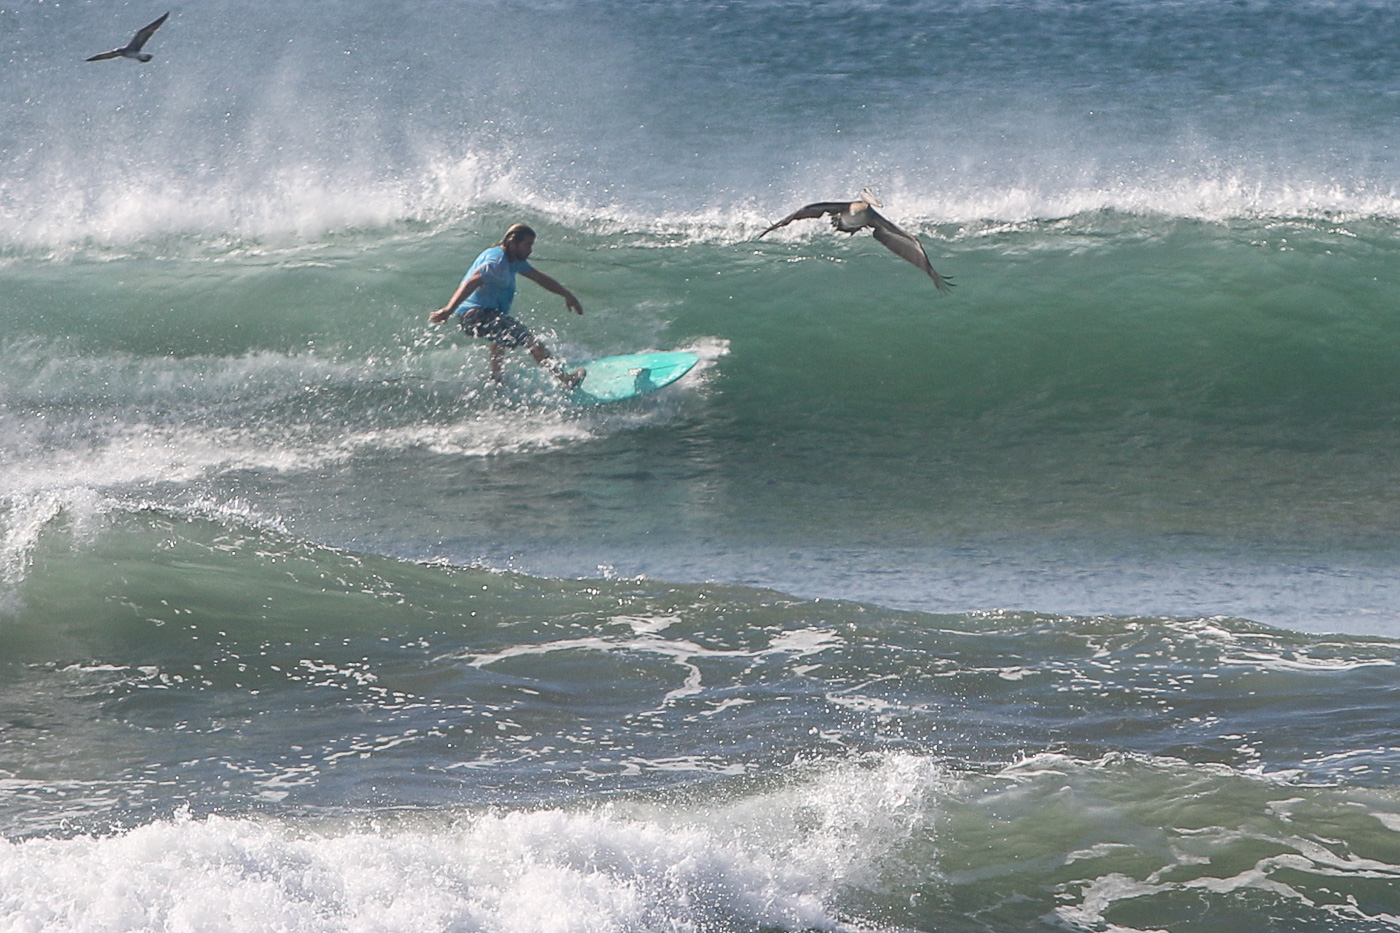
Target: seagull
{"points": [[850, 216], [133, 48]]}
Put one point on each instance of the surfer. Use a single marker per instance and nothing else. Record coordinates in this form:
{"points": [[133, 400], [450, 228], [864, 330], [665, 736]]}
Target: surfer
{"points": [[482, 303]]}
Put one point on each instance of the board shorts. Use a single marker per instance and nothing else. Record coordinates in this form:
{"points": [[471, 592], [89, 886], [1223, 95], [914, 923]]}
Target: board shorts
{"points": [[495, 325]]}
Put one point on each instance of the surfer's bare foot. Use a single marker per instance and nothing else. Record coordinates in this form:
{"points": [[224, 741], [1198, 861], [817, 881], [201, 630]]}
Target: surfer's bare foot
{"points": [[572, 380]]}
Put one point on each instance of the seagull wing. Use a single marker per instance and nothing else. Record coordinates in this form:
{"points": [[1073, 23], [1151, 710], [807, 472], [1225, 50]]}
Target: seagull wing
{"points": [[907, 247], [144, 34], [104, 56], [811, 210]]}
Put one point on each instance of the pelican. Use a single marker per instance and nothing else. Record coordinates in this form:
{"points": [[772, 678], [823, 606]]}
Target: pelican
{"points": [[133, 48], [850, 216]]}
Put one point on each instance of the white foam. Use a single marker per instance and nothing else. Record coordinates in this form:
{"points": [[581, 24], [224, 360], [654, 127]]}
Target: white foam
{"points": [[24, 519], [123, 435], [779, 860], [291, 206], [684, 653], [1300, 662]]}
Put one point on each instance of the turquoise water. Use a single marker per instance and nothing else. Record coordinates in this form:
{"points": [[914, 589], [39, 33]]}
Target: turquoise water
{"points": [[1062, 602]]}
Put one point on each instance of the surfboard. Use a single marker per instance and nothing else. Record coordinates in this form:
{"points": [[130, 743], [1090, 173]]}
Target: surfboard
{"points": [[615, 378]]}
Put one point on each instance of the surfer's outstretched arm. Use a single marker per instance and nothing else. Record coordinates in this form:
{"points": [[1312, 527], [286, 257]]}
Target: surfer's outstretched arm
{"points": [[549, 283], [463, 292]]}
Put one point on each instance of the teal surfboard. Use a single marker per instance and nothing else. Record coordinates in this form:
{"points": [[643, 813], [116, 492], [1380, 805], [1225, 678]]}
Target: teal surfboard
{"points": [[614, 378]]}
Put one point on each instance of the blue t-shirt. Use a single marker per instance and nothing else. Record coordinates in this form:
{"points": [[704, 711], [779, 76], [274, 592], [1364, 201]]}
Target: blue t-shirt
{"points": [[497, 288]]}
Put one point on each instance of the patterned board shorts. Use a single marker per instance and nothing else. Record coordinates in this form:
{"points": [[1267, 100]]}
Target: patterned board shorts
{"points": [[495, 325]]}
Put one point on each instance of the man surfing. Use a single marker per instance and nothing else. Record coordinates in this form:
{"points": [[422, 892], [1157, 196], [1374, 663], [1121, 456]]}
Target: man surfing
{"points": [[482, 303]]}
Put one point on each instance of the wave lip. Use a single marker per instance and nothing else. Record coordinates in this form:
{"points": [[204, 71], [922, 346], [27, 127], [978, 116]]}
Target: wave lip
{"points": [[1022, 111], [286, 212]]}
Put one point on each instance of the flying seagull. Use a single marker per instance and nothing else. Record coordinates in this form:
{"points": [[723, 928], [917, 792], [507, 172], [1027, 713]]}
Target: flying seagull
{"points": [[850, 216], [133, 48]]}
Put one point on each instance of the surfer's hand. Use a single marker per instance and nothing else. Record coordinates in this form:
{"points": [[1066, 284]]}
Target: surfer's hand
{"points": [[440, 315], [572, 303]]}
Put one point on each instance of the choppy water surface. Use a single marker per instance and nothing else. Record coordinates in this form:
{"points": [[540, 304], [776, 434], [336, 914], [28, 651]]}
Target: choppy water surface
{"points": [[1065, 602]]}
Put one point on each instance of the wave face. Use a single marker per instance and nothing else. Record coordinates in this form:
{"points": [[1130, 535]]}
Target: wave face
{"points": [[1064, 602], [1112, 414]]}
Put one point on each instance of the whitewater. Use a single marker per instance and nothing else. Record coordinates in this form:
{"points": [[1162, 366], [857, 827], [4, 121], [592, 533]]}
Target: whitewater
{"points": [[1065, 602]]}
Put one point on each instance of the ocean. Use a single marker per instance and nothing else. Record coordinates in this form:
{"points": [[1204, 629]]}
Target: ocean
{"points": [[1069, 601]]}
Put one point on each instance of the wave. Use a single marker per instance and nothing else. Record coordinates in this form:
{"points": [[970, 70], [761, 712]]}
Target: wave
{"points": [[886, 842], [187, 574], [600, 869], [601, 120], [258, 730], [1106, 382], [284, 215]]}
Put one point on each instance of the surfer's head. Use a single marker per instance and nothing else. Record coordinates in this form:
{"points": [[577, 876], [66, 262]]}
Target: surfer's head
{"points": [[518, 241]]}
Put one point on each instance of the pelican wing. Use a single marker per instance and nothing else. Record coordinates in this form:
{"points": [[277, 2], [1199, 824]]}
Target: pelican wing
{"points": [[811, 210], [144, 34], [104, 56], [907, 247]]}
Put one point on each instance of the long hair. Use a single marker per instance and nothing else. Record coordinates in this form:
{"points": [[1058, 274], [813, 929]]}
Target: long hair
{"points": [[517, 232]]}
